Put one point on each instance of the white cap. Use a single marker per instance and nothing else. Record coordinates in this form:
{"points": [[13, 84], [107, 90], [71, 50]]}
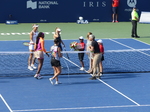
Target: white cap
{"points": [[100, 41], [80, 18], [35, 25], [91, 36], [58, 29], [81, 37]]}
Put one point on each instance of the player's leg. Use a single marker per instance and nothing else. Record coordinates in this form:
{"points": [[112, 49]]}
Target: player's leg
{"points": [[31, 49], [29, 61], [81, 57]]}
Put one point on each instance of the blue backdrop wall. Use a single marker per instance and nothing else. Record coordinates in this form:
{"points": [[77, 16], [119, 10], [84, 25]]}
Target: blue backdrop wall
{"points": [[36, 11]]}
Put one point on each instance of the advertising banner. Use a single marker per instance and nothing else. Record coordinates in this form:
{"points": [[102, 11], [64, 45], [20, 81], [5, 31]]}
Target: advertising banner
{"points": [[36, 11]]}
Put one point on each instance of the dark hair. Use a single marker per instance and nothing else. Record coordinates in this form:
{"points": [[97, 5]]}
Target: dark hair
{"points": [[56, 41], [41, 34]]}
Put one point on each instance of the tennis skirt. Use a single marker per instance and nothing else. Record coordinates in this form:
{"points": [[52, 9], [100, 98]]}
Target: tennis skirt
{"points": [[55, 63], [39, 54]]}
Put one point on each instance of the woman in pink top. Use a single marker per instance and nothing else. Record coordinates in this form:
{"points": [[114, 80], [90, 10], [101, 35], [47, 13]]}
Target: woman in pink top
{"points": [[39, 53]]}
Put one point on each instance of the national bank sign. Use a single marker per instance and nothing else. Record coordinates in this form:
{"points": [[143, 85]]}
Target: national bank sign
{"points": [[40, 4]]}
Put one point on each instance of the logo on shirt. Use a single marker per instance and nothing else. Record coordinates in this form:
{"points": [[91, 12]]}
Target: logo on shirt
{"points": [[131, 3]]}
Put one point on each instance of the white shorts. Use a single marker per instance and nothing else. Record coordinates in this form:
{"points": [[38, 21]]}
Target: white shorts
{"points": [[31, 46], [39, 54]]}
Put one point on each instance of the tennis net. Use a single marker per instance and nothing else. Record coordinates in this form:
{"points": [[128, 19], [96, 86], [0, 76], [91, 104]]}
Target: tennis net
{"points": [[115, 61]]}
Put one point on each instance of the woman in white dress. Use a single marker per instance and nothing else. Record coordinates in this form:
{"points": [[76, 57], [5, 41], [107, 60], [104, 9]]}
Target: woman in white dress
{"points": [[33, 35]]}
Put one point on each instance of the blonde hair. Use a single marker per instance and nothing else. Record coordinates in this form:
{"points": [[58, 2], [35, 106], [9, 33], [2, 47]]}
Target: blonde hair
{"points": [[89, 33]]}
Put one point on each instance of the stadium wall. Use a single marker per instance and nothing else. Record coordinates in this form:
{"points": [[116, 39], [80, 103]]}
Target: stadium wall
{"points": [[39, 11]]}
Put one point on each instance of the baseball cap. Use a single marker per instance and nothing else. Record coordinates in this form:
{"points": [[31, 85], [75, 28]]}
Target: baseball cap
{"points": [[91, 36], [81, 37], [100, 41], [58, 29], [35, 25]]}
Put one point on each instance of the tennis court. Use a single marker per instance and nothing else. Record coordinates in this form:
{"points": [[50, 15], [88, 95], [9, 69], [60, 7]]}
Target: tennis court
{"points": [[118, 90]]}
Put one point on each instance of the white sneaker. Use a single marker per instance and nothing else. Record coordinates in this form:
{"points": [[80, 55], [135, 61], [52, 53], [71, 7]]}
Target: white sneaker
{"points": [[30, 68], [34, 67], [50, 79], [82, 68], [37, 76], [57, 82], [101, 74]]}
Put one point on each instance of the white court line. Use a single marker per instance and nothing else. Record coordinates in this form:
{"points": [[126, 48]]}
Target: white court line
{"points": [[108, 85], [6, 103], [142, 42], [119, 92], [129, 47], [83, 108]]}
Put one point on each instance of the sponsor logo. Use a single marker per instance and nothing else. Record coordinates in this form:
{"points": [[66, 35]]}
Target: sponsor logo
{"points": [[131, 3], [94, 4], [82, 22], [32, 5], [11, 22], [40, 4]]}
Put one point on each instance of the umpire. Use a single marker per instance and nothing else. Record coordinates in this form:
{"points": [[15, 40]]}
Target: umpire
{"points": [[135, 19]]}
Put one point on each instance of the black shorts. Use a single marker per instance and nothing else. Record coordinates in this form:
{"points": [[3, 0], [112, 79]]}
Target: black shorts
{"points": [[115, 10], [81, 56], [55, 63]]}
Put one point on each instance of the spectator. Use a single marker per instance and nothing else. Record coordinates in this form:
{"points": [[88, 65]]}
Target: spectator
{"points": [[115, 5]]}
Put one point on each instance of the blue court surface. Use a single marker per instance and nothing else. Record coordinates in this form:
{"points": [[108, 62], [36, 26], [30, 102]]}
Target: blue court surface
{"points": [[114, 92]]}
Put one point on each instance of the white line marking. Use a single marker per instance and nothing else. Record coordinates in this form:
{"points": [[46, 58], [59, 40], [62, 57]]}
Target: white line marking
{"points": [[6, 103], [71, 62], [128, 47], [81, 108], [119, 92], [142, 42]]}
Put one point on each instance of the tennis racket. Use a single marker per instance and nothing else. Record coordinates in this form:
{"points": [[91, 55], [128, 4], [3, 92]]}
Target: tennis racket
{"points": [[26, 43], [66, 53]]}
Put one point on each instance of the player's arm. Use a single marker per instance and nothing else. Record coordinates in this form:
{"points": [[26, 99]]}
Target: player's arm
{"points": [[42, 45], [59, 52], [31, 36], [55, 35], [91, 48], [43, 48], [63, 43]]}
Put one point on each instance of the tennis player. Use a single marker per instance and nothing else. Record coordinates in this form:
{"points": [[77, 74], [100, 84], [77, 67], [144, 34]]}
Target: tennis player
{"points": [[33, 36], [81, 47], [55, 61], [97, 57], [57, 36], [39, 53], [101, 47]]}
